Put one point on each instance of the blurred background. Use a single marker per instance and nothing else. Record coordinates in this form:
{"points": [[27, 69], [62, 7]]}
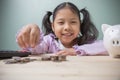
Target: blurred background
{"points": [[14, 14]]}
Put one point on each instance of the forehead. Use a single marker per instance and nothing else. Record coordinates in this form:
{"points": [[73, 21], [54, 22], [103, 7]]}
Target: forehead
{"points": [[66, 12]]}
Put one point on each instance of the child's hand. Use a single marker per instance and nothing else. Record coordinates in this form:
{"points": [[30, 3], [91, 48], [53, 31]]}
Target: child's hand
{"points": [[28, 36], [69, 51]]}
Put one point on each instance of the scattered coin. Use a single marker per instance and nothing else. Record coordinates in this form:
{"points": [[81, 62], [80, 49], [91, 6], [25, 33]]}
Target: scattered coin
{"points": [[56, 58]]}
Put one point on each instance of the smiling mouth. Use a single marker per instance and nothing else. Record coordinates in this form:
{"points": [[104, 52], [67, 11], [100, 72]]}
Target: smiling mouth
{"points": [[67, 34]]}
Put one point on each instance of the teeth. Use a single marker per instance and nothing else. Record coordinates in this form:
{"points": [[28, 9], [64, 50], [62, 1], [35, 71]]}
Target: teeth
{"points": [[69, 34]]}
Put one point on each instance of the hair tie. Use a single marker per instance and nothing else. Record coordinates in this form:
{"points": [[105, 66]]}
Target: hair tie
{"points": [[82, 9], [49, 12]]}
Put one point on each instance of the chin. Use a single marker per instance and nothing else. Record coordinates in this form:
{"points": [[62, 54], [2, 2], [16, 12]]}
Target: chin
{"points": [[67, 41]]}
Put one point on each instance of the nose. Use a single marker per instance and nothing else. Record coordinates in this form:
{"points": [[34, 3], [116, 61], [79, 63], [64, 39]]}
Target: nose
{"points": [[67, 27]]}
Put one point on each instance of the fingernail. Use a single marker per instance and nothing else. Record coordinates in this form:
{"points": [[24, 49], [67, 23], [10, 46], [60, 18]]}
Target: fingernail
{"points": [[32, 45], [27, 45], [23, 47]]}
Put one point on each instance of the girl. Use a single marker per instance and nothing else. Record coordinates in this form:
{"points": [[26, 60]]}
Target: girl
{"points": [[66, 34]]}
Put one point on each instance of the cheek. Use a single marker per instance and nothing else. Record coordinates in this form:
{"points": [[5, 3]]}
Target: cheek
{"points": [[77, 30], [55, 28], [57, 31]]}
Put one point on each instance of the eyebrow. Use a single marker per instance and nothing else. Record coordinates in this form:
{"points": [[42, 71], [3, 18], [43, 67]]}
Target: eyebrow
{"points": [[70, 19]]}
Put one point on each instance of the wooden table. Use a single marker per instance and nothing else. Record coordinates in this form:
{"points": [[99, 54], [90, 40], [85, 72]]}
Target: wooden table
{"points": [[75, 68]]}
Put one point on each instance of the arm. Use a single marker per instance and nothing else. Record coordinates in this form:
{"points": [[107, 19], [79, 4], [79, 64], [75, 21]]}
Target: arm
{"points": [[95, 48]]}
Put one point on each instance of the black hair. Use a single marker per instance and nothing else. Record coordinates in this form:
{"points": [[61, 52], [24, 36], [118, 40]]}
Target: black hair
{"points": [[87, 28]]}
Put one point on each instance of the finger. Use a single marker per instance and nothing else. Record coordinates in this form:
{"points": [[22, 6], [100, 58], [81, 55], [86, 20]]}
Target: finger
{"points": [[70, 53], [32, 38], [65, 53], [37, 40], [60, 52], [25, 38], [21, 42]]}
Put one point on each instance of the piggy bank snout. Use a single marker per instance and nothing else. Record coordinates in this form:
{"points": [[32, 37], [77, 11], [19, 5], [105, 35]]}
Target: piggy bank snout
{"points": [[115, 42], [115, 37]]}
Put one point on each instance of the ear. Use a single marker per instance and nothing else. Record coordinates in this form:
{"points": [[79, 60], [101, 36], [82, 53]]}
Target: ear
{"points": [[52, 27], [104, 27]]}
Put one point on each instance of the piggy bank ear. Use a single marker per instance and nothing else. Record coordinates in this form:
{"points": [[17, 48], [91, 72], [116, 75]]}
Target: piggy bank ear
{"points": [[104, 27]]}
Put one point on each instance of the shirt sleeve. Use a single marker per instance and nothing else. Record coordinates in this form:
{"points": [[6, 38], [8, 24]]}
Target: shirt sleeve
{"points": [[95, 48]]}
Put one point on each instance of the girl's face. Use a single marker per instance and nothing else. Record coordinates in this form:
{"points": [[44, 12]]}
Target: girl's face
{"points": [[66, 26]]}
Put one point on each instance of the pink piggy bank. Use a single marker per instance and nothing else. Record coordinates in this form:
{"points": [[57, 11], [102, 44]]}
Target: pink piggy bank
{"points": [[111, 39]]}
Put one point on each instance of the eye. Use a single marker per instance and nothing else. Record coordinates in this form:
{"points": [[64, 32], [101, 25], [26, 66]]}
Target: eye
{"points": [[61, 23], [73, 22]]}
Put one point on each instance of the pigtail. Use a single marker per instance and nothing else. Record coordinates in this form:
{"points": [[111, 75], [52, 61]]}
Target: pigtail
{"points": [[46, 23], [88, 30]]}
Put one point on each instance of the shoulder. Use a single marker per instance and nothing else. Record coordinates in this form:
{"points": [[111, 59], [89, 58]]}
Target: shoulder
{"points": [[52, 43], [49, 36]]}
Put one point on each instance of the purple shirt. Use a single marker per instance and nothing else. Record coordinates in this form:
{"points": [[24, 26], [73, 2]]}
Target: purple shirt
{"points": [[48, 44]]}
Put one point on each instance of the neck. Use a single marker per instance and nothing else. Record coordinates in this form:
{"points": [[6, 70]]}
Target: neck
{"points": [[68, 45]]}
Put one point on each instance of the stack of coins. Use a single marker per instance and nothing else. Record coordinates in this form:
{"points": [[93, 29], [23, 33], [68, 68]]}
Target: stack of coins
{"points": [[58, 58], [18, 60], [53, 58]]}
